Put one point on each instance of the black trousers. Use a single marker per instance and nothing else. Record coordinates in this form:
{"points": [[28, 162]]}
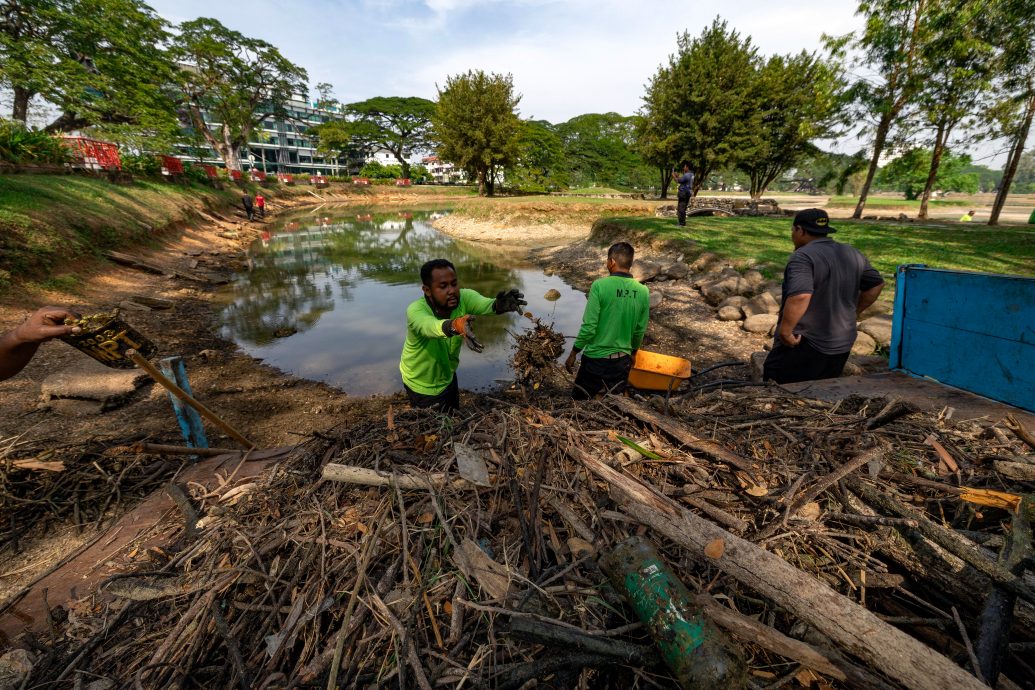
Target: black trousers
{"points": [[802, 363], [601, 375], [684, 201], [446, 401]]}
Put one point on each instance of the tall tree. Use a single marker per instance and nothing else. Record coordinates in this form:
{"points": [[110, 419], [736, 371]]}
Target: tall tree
{"points": [[600, 150], [239, 82], [1012, 116], [960, 57], [333, 140], [657, 149], [97, 61], [399, 125], [908, 173], [799, 99], [889, 46], [476, 125], [540, 165], [700, 105]]}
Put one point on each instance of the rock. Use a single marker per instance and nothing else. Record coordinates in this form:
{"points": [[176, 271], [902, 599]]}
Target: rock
{"points": [[645, 271], [68, 407], [763, 303], [864, 344], [15, 665], [759, 323], [677, 271], [758, 365], [705, 262], [754, 278], [852, 369], [730, 314], [701, 279], [734, 301], [93, 381], [552, 295], [657, 295], [715, 293], [133, 306], [208, 354], [878, 328]]}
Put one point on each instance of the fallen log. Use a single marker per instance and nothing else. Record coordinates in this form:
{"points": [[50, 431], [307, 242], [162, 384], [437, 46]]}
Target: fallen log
{"points": [[862, 634]]}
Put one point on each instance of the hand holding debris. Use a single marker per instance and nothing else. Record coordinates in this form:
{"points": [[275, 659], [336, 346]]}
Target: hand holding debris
{"points": [[464, 326], [45, 324]]}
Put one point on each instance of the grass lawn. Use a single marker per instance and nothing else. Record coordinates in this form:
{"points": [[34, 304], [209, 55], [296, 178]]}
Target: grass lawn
{"points": [[595, 190], [751, 241], [50, 223]]}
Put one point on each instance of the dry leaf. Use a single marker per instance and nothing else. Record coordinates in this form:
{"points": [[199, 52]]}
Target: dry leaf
{"points": [[51, 466], [806, 677], [810, 511], [580, 547], [715, 549], [447, 606], [426, 518], [391, 418], [755, 490]]}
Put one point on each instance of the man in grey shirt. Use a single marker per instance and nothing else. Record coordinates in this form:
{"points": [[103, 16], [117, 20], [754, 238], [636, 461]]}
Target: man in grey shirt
{"points": [[684, 192], [826, 285]]}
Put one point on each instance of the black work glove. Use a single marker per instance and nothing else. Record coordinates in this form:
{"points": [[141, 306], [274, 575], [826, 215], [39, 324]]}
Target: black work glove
{"points": [[509, 300]]}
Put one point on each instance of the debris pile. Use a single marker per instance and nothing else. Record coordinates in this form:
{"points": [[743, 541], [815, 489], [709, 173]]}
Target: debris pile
{"points": [[536, 352], [854, 544]]}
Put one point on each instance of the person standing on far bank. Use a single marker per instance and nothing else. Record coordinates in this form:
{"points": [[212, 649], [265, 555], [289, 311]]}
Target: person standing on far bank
{"points": [[612, 328], [826, 285], [684, 192], [249, 206]]}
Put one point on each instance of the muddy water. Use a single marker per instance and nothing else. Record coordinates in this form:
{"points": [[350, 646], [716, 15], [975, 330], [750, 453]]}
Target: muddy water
{"points": [[327, 293]]}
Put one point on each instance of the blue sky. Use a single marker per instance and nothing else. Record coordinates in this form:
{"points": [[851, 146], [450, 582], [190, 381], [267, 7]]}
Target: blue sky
{"points": [[568, 57]]}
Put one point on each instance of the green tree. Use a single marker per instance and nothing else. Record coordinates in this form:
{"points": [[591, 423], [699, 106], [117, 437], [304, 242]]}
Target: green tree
{"points": [[96, 61], [960, 57], [656, 149], [700, 106], [540, 165], [399, 125], [239, 82], [908, 173], [1024, 179], [799, 99], [889, 47], [325, 99], [1012, 116], [989, 179], [477, 126], [376, 170], [600, 149], [333, 139]]}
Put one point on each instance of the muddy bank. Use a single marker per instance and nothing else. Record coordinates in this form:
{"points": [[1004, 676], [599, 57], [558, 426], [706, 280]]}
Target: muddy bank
{"points": [[66, 409], [510, 235]]}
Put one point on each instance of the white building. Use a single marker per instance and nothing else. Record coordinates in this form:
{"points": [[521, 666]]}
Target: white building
{"points": [[443, 172]]}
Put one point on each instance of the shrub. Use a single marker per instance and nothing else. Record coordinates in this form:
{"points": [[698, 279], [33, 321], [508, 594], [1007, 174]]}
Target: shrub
{"points": [[144, 165], [22, 146], [195, 173]]}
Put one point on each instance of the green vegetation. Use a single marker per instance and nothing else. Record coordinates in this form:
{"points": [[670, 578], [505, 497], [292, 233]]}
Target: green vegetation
{"points": [[397, 124], [21, 146], [883, 203], [753, 241], [477, 127], [910, 174], [48, 222]]}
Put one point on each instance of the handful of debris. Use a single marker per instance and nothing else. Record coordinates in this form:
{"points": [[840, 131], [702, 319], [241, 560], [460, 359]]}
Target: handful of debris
{"points": [[535, 352]]}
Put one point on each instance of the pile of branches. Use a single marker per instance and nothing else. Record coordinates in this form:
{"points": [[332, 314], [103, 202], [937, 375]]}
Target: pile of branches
{"points": [[854, 544], [535, 353], [80, 483]]}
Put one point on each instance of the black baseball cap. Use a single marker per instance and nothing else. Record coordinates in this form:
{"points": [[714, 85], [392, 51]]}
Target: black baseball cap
{"points": [[815, 220]]}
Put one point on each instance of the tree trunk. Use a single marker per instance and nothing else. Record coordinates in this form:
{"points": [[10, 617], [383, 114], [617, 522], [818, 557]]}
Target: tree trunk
{"points": [[20, 107], [883, 127], [666, 180], [481, 182], [229, 152], [1015, 157], [936, 159]]}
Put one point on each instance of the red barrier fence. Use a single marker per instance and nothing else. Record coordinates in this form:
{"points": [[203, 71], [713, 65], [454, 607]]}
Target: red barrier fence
{"points": [[93, 154], [403, 182], [171, 165]]}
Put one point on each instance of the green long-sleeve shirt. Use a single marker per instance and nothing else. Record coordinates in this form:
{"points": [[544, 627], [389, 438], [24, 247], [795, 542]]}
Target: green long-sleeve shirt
{"points": [[429, 358], [615, 318]]}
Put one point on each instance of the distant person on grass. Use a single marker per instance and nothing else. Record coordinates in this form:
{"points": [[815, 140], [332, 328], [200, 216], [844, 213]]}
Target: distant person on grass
{"points": [[684, 192], [968, 216], [612, 328], [436, 325], [249, 206], [20, 345], [826, 285], [260, 205]]}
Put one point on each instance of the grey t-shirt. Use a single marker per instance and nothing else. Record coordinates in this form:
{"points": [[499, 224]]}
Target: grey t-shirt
{"points": [[834, 274], [686, 184]]}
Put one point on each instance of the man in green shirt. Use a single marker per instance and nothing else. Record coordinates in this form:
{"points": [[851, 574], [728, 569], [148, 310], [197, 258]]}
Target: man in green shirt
{"points": [[435, 326], [612, 327]]}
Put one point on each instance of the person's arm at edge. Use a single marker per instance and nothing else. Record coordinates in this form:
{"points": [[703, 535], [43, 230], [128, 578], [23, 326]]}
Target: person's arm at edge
{"points": [[590, 318], [427, 324], [868, 297], [793, 309], [641, 326], [19, 346], [476, 303]]}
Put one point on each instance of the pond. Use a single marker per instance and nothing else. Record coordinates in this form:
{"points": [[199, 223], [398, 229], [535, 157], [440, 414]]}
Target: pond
{"points": [[327, 292]]}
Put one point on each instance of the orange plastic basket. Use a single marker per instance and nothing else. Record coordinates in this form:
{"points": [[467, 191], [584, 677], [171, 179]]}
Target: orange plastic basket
{"points": [[653, 371]]}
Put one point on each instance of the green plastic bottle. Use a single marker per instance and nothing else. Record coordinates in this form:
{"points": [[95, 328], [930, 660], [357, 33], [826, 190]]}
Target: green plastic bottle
{"points": [[699, 655]]}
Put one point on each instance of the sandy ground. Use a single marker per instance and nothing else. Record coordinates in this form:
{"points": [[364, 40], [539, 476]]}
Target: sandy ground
{"points": [[522, 235]]}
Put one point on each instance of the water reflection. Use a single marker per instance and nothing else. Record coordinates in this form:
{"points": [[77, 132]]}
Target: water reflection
{"points": [[327, 295]]}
